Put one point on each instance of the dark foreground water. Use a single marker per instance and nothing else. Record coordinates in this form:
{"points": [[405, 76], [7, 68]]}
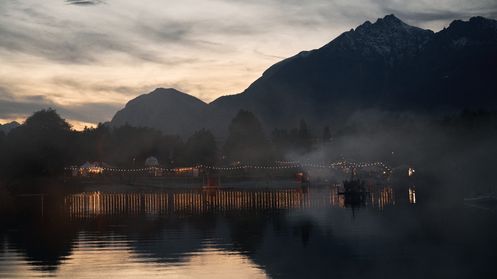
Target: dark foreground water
{"points": [[240, 233]]}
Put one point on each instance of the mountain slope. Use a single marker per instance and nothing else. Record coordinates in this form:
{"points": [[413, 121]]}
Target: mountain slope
{"points": [[387, 65], [458, 67]]}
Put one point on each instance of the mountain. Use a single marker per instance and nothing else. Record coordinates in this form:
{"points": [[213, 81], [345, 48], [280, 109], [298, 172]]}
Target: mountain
{"points": [[387, 65], [7, 127], [168, 110]]}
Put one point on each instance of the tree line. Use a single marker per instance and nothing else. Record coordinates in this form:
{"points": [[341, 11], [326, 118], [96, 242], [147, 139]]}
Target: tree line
{"points": [[45, 143]]}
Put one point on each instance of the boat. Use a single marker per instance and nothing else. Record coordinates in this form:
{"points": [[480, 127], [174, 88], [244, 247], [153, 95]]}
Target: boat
{"points": [[355, 192]]}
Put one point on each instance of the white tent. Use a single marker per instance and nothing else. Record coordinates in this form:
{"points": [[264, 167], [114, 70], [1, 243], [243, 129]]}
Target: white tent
{"points": [[151, 162]]}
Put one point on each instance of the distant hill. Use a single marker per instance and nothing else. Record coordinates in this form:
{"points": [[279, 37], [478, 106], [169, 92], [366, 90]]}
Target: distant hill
{"points": [[168, 110], [387, 65], [7, 127]]}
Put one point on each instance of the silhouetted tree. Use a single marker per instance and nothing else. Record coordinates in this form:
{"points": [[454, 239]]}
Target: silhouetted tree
{"points": [[2, 139], [41, 146], [134, 144], [128, 146], [201, 148], [304, 137], [93, 144], [246, 141], [171, 149], [282, 142]]}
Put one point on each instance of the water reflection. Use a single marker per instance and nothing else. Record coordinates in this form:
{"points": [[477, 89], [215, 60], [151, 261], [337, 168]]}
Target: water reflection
{"points": [[240, 233], [114, 257], [412, 195], [197, 201]]}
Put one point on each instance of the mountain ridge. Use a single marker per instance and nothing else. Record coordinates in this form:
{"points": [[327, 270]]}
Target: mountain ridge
{"points": [[387, 65]]}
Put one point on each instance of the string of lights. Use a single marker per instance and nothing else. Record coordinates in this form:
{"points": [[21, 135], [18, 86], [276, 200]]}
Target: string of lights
{"points": [[280, 165]]}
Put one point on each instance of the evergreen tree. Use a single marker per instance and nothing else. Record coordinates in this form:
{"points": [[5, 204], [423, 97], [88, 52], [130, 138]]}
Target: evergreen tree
{"points": [[201, 148], [246, 141], [41, 146]]}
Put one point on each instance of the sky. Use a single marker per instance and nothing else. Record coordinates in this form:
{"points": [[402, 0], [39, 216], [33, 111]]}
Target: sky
{"points": [[87, 58]]}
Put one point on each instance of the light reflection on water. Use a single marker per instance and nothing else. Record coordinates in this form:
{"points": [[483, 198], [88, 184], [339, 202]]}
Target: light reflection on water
{"points": [[114, 257], [237, 233]]}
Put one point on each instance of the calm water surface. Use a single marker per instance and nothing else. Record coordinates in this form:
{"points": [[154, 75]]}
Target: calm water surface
{"points": [[241, 233]]}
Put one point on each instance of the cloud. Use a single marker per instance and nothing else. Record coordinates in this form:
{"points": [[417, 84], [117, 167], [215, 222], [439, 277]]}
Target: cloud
{"points": [[40, 32], [84, 2], [12, 106], [112, 50], [424, 12], [91, 36], [76, 84], [80, 46]]}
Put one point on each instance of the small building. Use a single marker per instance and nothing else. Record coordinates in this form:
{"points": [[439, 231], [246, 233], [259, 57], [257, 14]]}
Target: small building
{"points": [[151, 162], [153, 166]]}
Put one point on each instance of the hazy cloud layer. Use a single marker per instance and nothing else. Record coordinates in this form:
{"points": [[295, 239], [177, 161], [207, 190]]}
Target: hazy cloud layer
{"points": [[75, 53], [83, 2], [11, 107]]}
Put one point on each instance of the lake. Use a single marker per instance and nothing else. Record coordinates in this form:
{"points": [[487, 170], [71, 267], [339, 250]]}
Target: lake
{"points": [[292, 232]]}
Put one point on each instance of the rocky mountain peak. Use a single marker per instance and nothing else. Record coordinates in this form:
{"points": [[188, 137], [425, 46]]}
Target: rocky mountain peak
{"points": [[388, 37]]}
